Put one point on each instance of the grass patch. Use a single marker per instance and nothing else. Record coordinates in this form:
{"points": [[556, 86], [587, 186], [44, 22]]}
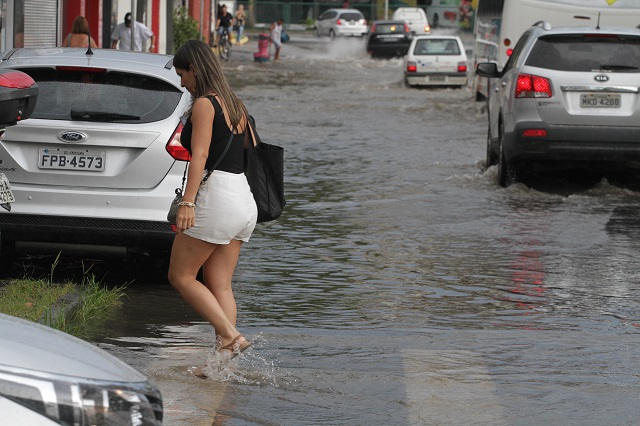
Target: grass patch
{"points": [[45, 301]]}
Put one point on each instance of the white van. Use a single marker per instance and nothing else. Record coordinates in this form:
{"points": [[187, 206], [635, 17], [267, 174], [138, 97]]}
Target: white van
{"points": [[415, 17]]}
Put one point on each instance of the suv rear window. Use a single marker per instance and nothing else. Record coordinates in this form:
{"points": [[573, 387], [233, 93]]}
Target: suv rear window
{"points": [[389, 29], [586, 52], [351, 16], [114, 97], [435, 46]]}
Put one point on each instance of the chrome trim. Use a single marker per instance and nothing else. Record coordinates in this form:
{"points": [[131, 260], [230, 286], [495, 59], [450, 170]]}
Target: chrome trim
{"points": [[608, 89]]}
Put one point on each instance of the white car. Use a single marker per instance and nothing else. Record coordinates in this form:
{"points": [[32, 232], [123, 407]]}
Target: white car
{"points": [[415, 17], [341, 23], [50, 378], [436, 61]]}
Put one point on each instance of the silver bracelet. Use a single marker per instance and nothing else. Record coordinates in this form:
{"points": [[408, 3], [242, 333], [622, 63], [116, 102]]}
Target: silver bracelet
{"points": [[186, 203]]}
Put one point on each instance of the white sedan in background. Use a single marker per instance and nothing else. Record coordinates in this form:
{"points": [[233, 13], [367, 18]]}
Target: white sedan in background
{"points": [[436, 61]]}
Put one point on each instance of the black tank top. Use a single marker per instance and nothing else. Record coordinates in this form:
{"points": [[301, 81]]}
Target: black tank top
{"points": [[233, 161]]}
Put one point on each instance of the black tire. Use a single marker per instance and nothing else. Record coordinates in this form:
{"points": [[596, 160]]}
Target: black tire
{"points": [[506, 171], [332, 35], [224, 49], [316, 33], [436, 21], [406, 83], [492, 156]]}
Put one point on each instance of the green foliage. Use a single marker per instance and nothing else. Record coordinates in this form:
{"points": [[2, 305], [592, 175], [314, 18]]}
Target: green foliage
{"points": [[184, 27]]}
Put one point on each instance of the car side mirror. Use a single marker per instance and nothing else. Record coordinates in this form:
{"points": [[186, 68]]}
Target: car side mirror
{"points": [[487, 69], [469, 52]]}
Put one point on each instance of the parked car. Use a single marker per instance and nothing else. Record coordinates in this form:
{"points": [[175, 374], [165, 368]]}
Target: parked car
{"points": [[415, 17], [566, 99], [388, 39], [90, 167], [436, 61], [48, 377], [341, 23]]}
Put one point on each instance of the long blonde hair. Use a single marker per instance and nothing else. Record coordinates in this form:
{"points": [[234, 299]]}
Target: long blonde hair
{"points": [[209, 77]]}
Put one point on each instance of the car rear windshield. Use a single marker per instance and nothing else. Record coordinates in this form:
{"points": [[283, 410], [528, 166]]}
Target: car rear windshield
{"points": [[389, 29], [436, 46], [97, 95], [586, 52], [351, 16], [410, 15]]}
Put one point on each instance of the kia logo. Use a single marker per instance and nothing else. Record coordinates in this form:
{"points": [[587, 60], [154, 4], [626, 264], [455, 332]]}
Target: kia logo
{"points": [[601, 78], [72, 136]]}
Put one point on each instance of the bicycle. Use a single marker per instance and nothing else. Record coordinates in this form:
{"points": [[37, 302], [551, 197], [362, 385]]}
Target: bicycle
{"points": [[224, 46]]}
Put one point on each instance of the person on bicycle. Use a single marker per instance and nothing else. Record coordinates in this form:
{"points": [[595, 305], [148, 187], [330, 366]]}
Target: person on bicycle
{"points": [[224, 23]]}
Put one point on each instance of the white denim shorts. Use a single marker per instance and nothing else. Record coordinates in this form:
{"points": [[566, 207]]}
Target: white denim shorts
{"points": [[225, 209]]}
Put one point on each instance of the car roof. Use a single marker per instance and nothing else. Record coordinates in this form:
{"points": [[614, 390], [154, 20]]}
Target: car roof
{"points": [[588, 30], [389, 21], [344, 10], [151, 64], [438, 37]]}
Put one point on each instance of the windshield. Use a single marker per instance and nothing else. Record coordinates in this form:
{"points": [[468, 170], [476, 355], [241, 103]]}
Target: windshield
{"points": [[436, 46], [586, 52], [102, 96]]}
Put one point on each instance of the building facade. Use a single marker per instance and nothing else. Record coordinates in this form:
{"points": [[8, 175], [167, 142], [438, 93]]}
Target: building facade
{"points": [[45, 23]]}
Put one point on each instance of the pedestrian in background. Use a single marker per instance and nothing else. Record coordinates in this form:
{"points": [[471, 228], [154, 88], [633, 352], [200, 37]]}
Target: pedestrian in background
{"points": [[276, 37], [239, 25], [122, 34], [218, 212], [79, 35], [223, 23]]}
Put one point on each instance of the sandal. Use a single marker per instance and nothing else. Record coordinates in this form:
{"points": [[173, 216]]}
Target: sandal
{"points": [[236, 348]]}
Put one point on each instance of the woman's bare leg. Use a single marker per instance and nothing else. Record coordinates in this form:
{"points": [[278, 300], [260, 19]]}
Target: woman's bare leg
{"points": [[187, 257], [218, 275]]}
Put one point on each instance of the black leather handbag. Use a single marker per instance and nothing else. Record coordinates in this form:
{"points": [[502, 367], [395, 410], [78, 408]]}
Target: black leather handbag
{"points": [[264, 168]]}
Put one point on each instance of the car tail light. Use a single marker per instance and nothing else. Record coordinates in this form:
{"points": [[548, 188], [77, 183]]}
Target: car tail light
{"points": [[339, 22], [532, 86], [373, 28], [462, 67], [364, 22], [427, 28], [535, 133], [81, 69], [509, 52], [175, 148], [507, 42], [412, 67], [406, 28], [16, 80]]}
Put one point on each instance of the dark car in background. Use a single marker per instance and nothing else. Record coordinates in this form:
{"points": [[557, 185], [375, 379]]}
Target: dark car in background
{"points": [[568, 99], [388, 39]]}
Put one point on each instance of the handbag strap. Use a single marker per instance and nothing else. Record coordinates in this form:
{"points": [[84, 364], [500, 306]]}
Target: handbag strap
{"points": [[253, 136], [217, 163]]}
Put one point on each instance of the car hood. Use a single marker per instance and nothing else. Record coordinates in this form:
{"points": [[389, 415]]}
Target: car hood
{"points": [[30, 348]]}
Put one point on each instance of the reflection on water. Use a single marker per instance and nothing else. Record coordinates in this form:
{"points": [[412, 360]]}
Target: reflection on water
{"points": [[402, 285]]}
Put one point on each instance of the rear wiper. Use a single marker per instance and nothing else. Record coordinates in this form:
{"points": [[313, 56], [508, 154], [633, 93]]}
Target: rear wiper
{"points": [[617, 67], [101, 116]]}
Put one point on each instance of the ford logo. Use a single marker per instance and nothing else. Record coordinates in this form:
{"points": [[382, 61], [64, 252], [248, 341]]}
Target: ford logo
{"points": [[601, 78], [72, 136]]}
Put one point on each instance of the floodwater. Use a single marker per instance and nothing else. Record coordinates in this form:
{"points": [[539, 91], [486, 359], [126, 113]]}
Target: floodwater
{"points": [[402, 285]]}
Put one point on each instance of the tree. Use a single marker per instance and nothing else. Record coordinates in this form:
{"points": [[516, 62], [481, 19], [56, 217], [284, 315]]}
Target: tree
{"points": [[184, 28]]}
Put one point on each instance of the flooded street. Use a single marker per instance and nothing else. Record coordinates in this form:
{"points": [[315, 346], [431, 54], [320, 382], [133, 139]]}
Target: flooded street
{"points": [[402, 285]]}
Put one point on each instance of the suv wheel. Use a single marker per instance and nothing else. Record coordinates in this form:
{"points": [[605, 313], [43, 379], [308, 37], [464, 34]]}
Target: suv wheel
{"points": [[506, 172], [316, 33], [492, 155], [332, 34]]}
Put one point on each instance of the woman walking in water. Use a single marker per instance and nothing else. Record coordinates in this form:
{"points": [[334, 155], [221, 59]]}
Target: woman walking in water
{"points": [[217, 213]]}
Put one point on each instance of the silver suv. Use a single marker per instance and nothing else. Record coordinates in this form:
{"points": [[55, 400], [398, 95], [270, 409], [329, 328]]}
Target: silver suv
{"points": [[341, 23], [567, 98], [96, 164]]}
